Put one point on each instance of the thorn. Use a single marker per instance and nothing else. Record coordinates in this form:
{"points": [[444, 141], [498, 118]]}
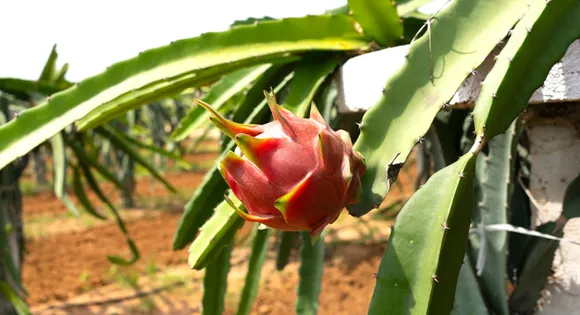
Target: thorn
{"points": [[495, 57], [462, 174], [493, 95], [509, 59], [391, 226], [528, 29], [359, 125], [375, 276], [434, 278], [473, 72], [394, 158], [445, 226], [420, 139]]}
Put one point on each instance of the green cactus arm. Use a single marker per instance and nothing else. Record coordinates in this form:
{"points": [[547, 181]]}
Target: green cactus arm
{"points": [[468, 298], [121, 143], [155, 149], [311, 267], [59, 79], [379, 19], [60, 171], [286, 242], [86, 158], [18, 303], [406, 8], [21, 88], [419, 271], [309, 75], [79, 191], [95, 187], [259, 251], [437, 64], [215, 234], [218, 96], [539, 256], [210, 192], [494, 179], [522, 67], [169, 69], [215, 283], [49, 70]]}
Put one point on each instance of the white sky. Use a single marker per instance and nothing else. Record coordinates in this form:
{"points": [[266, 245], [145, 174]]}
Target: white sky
{"points": [[90, 35]]}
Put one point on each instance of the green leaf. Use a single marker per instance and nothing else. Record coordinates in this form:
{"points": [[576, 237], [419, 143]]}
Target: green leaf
{"points": [[121, 143], [286, 242], [215, 234], [170, 69], [259, 251], [311, 267], [309, 75], [19, 305], [537, 42], [60, 170], [420, 268], [435, 68], [215, 283], [379, 19], [217, 97]]}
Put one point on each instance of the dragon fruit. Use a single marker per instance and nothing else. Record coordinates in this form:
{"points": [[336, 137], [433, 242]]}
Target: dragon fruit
{"points": [[292, 174]]}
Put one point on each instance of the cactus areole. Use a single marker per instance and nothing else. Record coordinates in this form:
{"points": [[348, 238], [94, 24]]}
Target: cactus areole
{"points": [[293, 173]]}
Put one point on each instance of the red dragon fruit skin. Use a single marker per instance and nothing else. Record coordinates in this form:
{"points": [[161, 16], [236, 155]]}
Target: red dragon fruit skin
{"points": [[293, 174]]}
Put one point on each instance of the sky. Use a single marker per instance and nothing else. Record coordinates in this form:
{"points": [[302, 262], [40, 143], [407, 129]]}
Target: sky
{"points": [[91, 35]]}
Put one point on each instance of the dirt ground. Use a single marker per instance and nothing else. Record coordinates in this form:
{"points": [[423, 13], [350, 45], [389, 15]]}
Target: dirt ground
{"points": [[66, 270]]}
